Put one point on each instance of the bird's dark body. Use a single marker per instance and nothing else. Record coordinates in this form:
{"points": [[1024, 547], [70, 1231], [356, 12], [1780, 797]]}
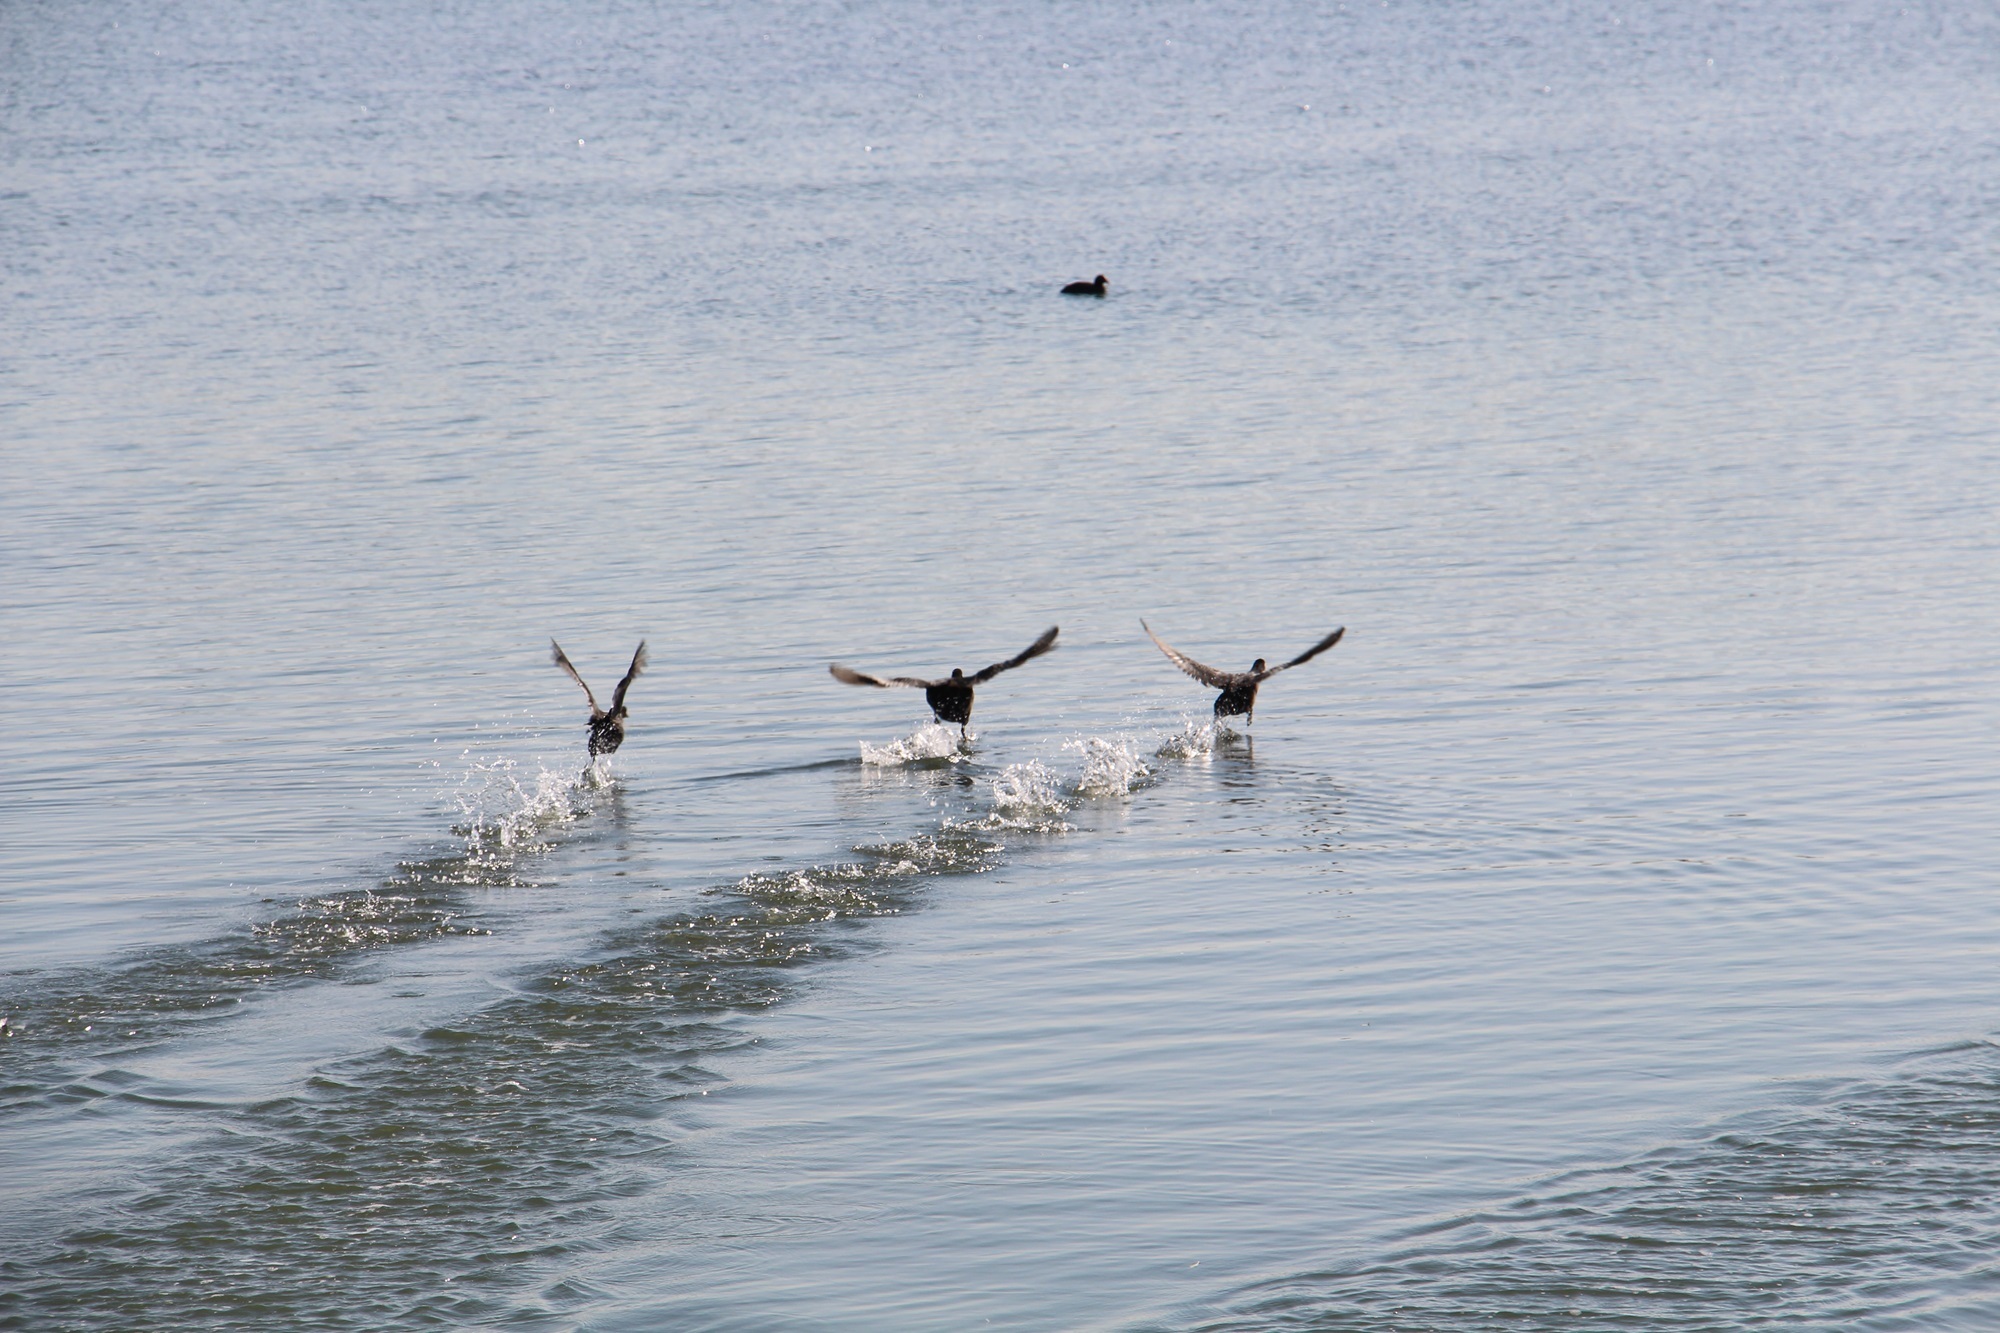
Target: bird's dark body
{"points": [[1239, 688], [607, 733], [607, 725], [1237, 699], [950, 700], [1095, 288]]}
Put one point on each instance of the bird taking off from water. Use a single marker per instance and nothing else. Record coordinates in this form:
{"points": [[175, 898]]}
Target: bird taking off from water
{"points": [[951, 698], [607, 730], [1095, 288], [1239, 688]]}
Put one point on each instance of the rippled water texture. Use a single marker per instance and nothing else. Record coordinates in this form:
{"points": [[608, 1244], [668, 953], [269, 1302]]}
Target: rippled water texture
{"points": [[1602, 935]]}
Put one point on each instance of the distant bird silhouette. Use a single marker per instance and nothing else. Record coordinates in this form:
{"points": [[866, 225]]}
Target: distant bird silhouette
{"points": [[607, 730], [951, 698], [1085, 288], [1239, 688]]}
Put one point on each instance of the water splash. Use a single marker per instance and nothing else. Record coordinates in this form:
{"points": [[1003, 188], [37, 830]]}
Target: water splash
{"points": [[1195, 740], [930, 742], [502, 813], [1110, 768], [1030, 786], [1028, 797]]}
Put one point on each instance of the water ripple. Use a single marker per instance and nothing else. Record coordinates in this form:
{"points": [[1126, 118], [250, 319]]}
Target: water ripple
{"points": [[1874, 1206]]}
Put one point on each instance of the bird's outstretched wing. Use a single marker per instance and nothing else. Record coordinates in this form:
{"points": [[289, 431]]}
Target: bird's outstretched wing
{"points": [[562, 660], [1035, 649], [849, 676], [631, 674], [1207, 675], [1308, 655]]}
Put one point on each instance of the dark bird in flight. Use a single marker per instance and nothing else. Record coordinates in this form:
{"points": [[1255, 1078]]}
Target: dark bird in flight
{"points": [[951, 698], [607, 730], [1095, 288], [1239, 688]]}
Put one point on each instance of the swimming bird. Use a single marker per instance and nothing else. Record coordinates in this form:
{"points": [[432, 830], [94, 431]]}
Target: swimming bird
{"points": [[1085, 288], [951, 698], [1239, 688], [607, 730]]}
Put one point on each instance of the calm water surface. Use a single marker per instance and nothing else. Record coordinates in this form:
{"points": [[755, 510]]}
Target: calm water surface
{"points": [[1601, 936]]}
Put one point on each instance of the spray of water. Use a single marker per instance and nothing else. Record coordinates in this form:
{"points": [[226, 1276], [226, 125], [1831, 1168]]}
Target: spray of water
{"points": [[1195, 740], [504, 812], [1110, 767], [931, 742], [1027, 797]]}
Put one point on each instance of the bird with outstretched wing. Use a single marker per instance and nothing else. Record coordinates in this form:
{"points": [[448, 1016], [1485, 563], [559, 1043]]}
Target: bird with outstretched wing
{"points": [[1239, 688], [950, 698], [607, 729]]}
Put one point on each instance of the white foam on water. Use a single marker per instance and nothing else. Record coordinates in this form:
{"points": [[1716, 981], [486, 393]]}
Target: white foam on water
{"points": [[931, 741]]}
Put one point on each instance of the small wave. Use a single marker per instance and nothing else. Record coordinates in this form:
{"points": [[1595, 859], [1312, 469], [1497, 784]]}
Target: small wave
{"points": [[821, 893], [932, 741], [1831, 1201], [331, 926]]}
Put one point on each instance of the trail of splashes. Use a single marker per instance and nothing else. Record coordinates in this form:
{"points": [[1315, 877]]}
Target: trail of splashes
{"points": [[930, 742], [525, 1123], [857, 888], [57, 1021], [482, 1120], [474, 1118]]}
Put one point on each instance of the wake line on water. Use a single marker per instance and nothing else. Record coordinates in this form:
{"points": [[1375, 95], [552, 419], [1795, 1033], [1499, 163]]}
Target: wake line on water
{"points": [[504, 817], [1026, 797], [295, 1201], [291, 1206]]}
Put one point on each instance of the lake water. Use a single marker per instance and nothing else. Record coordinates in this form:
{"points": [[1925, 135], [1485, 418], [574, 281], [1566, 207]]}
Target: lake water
{"points": [[1602, 935]]}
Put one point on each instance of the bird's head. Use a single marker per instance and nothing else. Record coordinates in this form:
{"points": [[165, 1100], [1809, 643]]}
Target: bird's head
{"points": [[1257, 665], [958, 673]]}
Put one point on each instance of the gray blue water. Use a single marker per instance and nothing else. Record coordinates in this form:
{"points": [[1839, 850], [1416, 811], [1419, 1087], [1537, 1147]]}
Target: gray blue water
{"points": [[1604, 935]]}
